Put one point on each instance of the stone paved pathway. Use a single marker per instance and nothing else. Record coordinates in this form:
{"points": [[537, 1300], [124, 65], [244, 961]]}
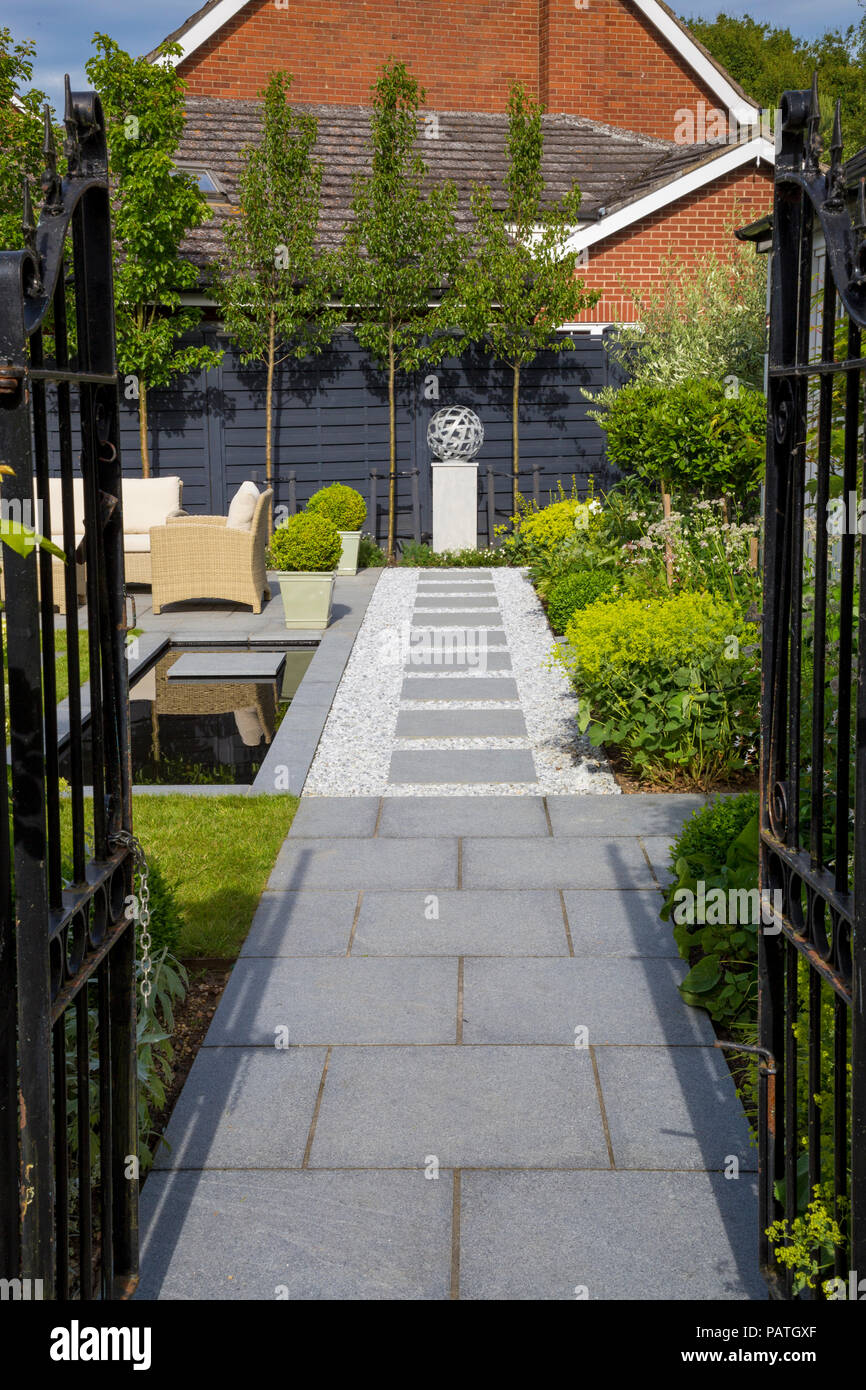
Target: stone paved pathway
{"points": [[452, 1061]]}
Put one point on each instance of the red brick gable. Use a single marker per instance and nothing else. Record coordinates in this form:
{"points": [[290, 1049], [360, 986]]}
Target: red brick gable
{"points": [[604, 59], [635, 257]]}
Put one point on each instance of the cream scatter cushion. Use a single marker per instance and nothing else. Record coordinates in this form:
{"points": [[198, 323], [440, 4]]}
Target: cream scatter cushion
{"points": [[242, 507]]}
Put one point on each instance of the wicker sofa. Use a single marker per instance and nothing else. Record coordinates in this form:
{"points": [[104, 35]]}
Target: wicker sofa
{"points": [[202, 557]]}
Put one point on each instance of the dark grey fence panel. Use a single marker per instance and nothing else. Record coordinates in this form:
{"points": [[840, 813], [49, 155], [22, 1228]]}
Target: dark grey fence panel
{"points": [[331, 425]]}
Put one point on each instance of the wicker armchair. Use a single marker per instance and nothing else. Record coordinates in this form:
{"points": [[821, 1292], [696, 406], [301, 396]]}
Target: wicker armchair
{"points": [[200, 557]]}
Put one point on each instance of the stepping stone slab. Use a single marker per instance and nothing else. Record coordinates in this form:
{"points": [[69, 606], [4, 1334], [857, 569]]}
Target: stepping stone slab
{"points": [[428, 592], [227, 666], [474, 659], [337, 1001], [459, 688], [497, 1107], [244, 1108], [397, 863], [541, 1235], [618, 924], [433, 605], [566, 862], [471, 619], [463, 815], [465, 924], [321, 1236], [543, 1001], [469, 765], [460, 723], [644, 814], [302, 924], [673, 1107]]}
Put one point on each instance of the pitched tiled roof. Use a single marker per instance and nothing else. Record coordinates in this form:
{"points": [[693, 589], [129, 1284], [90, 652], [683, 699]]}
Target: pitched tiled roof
{"points": [[610, 166]]}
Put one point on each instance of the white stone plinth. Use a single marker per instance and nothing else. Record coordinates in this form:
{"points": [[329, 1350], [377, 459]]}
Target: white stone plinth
{"points": [[455, 504]]}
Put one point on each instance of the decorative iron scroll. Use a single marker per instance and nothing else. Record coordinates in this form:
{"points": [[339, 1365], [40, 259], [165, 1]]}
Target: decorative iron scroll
{"points": [[68, 1140]]}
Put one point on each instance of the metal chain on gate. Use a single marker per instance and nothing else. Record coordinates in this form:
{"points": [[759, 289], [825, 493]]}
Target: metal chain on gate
{"points": [[128, 841]]}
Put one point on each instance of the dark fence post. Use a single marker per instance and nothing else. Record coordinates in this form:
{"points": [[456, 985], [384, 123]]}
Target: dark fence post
{"points": [[536, 488], [374, 505], [416, 505]]}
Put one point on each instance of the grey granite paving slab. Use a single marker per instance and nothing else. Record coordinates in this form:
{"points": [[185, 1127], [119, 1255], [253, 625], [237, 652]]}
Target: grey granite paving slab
{"points": [[567, 862], [337, 817], [228, 666], [673, 1108], [642, 814], [477, 659], [296, 1236], [309, 923], [461, 723], [332, 1000], [459, 688], [441, 608], [463, 815], [543, 1001], [470, 621], [658, 847], [616, 1235], [244, 1108], [468, 1106], [460, 924], [394, 863], [441, 593], [461, 765], [612, 923]]}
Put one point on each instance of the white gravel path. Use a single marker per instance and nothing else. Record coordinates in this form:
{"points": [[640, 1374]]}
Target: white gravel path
{"points": [[354, 753]]}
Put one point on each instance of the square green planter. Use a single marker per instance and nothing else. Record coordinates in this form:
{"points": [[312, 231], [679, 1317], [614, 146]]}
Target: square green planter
{"points": [[306, 598], [349, 558]]}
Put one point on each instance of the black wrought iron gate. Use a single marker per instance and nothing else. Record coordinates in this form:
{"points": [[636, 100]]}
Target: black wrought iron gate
{"points": [[813, 970], [68, 1164]]}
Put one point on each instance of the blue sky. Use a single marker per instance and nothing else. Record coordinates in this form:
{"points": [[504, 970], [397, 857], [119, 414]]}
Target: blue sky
{"points": [[63, 29]]}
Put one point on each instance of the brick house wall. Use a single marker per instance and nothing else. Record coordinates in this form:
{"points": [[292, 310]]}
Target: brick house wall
{"points": [[689, 228], [605, 62]]}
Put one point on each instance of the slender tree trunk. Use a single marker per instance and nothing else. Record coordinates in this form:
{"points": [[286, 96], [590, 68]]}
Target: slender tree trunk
{"points": [[392, 475], [142, 430], [269, 411], [515, 438]]}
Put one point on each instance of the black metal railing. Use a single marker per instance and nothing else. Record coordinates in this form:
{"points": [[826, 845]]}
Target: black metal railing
{"points": [[812, 959], [68, 1140]]}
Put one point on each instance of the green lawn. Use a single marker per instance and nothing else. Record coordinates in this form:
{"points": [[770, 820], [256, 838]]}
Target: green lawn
{"points": [[217, 852], [61, 663]]}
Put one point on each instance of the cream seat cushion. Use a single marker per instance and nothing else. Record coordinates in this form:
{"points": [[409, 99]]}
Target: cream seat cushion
{"points": [[147, 502], [242, 507]]}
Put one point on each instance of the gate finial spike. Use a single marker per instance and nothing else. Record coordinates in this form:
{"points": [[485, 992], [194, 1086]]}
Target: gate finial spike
{"points": [[71, 147], [50, 181], [836, 142], [49, 154], [813, 140]]}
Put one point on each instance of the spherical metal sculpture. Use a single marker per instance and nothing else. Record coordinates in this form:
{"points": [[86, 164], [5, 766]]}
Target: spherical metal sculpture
{"points": [[455, 433]]}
